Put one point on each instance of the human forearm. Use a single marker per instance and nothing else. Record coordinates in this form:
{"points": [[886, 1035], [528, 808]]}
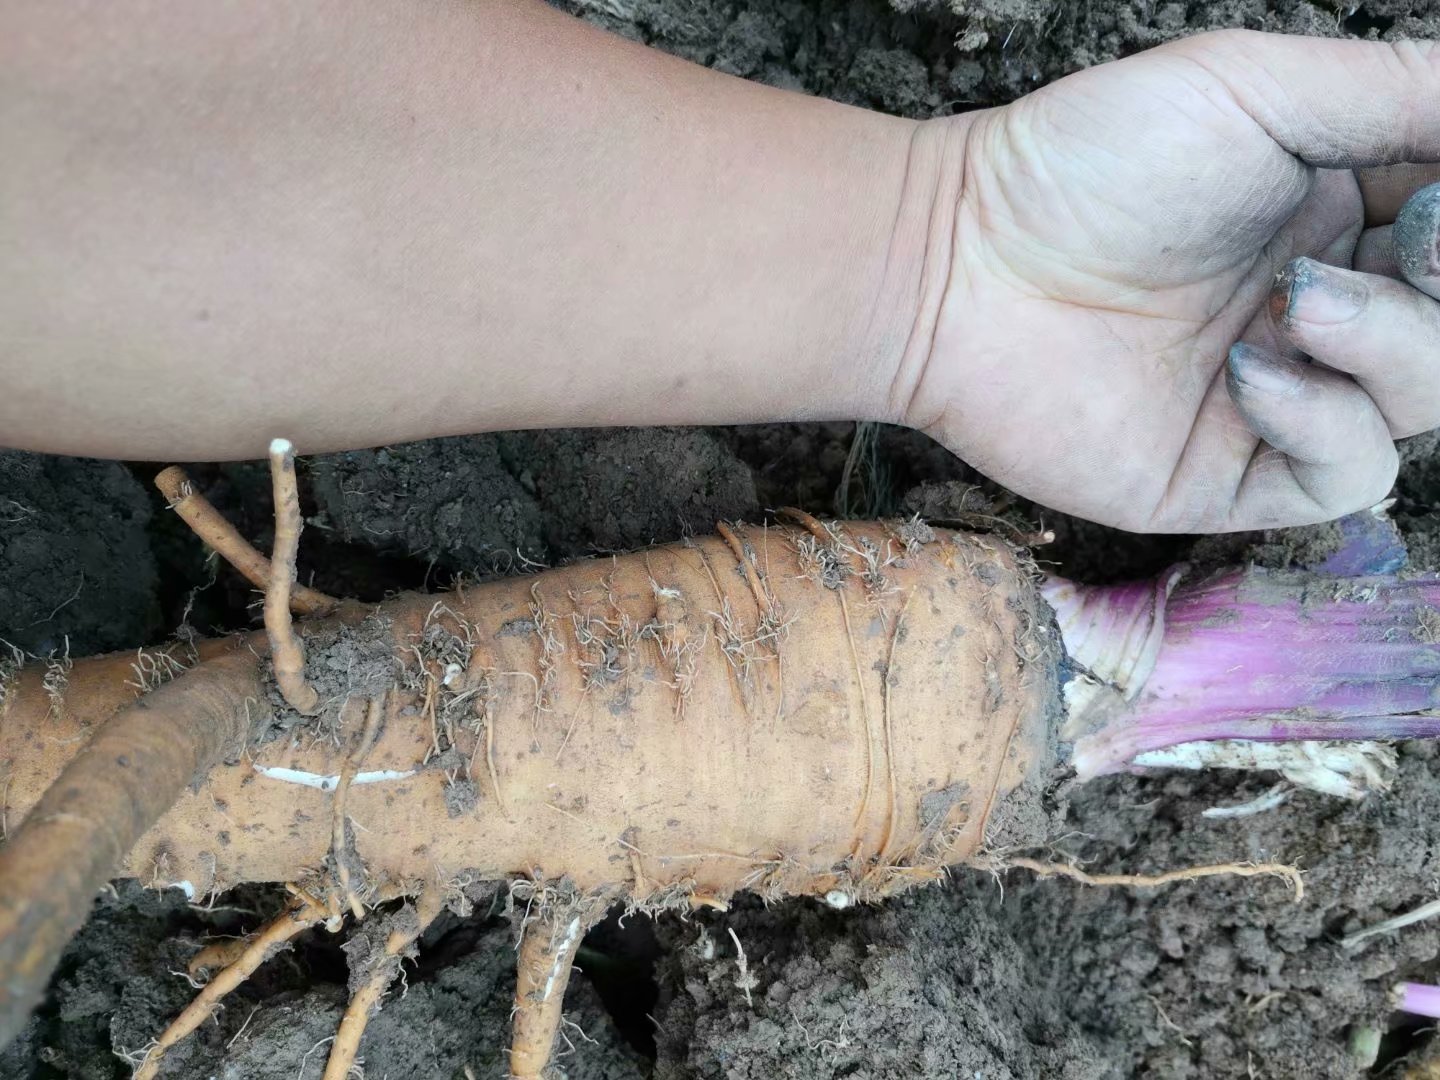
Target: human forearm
{"points": [[371, 222]]}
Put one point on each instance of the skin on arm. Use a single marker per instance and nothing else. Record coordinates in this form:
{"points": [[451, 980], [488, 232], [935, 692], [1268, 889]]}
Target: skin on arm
{"points": [[369, 222], [366, 223]]}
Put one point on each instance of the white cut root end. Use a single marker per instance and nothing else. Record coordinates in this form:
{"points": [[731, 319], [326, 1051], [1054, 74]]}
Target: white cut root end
{"points": [[1273, 798]]}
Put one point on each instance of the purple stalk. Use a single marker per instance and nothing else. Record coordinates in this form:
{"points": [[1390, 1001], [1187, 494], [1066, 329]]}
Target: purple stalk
{"points": [[1421, 999], [1256, 656]]}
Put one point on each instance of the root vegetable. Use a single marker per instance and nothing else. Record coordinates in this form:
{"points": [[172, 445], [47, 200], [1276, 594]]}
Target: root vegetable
{"points": [[838, 710], [865, 730], [796, 709]]}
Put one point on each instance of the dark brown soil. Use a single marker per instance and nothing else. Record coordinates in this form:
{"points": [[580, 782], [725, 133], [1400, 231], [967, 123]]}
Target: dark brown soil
{"points": [[981, 978]]}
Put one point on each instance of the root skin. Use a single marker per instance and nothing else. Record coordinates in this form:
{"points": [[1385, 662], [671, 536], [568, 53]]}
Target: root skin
{"points": [[879, 699], [721, 799], [127, 776]]}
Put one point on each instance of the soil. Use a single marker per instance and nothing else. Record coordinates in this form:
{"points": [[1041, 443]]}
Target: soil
{"points": [[983, 977]]}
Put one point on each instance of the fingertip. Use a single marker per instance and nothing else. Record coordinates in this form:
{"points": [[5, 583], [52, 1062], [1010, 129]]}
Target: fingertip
{"points": [[1309, 293], [1251, 372], [1415, 237]]}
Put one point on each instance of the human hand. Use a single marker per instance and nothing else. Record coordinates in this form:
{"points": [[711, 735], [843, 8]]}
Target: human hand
{"points": [[1124, 231]]}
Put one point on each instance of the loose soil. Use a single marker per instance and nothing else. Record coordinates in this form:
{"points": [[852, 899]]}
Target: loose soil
{"points": [[982, 977]]}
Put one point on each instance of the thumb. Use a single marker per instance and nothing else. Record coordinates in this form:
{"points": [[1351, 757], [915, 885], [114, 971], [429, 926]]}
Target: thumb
{"points": [[1332, 104]]}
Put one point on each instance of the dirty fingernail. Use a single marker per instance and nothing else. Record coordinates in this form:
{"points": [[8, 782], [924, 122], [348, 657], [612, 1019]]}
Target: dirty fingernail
{"points": [[1311, 292], [1254, 369], [1416, 234]]}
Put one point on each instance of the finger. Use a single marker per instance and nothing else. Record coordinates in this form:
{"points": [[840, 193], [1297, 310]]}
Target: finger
{"points": [[1375, 252], [1379, 330], [1385, 189], [1415, 237], [1334, 104], [1327, 453]]}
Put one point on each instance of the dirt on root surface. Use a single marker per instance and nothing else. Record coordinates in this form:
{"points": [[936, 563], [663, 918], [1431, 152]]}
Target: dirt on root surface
{"points": [[985, 976]]}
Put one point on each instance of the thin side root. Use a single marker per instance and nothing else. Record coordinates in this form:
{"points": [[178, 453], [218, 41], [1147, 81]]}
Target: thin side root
{"points": [[366, 1000], [217, 955], [547, 953], [222, 538], [1291, 874], [301, 914], [286, 653], [374, 711]]}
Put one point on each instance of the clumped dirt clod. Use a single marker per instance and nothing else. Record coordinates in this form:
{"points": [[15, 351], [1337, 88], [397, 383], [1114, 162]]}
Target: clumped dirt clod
{"points": [[76, 557]]}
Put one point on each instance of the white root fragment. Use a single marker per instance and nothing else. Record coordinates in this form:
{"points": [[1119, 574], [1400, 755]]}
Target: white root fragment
{"points": [[1276, 796], [1350, 770], [1419, 914], [745, 981], [329, 783]]}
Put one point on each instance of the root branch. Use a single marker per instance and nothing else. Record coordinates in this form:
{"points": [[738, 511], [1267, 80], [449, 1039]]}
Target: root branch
{"points": [[1291, 874], [223, 539], [366, 999], [302, 913], [286, 653]]}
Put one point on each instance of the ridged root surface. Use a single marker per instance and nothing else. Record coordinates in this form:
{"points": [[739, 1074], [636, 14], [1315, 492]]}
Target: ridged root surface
{"points": [[791, 709]]}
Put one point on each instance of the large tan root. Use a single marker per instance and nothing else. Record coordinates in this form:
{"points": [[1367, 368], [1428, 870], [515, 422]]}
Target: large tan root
{"points": [[90, 818], [287, 656], [548, 945], [225, 540], [366, 1000], [862, 748], [831, 710], [303, 912]]}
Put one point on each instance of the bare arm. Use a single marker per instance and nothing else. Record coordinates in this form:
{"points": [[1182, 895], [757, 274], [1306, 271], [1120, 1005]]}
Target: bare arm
{"points": [[366, 222]]}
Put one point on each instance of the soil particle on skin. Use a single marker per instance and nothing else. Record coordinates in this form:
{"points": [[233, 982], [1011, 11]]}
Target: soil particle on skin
{"points": [[461, 797], [76, 558]]}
